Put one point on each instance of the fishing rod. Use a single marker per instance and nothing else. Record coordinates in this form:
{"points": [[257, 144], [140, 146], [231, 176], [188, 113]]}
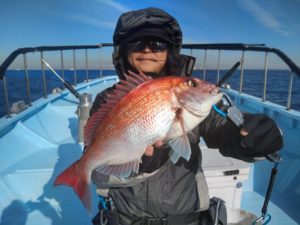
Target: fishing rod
{"points": [[236, 116], [66, 84], [228, 73]]}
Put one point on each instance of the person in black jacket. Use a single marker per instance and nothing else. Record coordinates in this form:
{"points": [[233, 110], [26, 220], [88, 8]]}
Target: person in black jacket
{"points": [[149, 41]]}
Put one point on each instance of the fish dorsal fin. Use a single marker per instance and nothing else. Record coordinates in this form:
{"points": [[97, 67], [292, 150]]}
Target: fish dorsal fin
{"points": [[121, 89]]}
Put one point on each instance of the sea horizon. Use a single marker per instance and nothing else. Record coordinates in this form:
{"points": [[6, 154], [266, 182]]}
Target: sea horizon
{"points": [[277, 83]]}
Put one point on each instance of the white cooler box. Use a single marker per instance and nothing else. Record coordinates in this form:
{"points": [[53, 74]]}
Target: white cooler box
{"points": [[224, 176]]}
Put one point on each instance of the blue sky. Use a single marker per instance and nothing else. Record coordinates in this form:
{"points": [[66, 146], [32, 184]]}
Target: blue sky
{"points": [[28, 23]]}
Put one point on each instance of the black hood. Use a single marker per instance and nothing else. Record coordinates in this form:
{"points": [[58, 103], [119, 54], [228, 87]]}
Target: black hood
{"points": [[131, 24]]}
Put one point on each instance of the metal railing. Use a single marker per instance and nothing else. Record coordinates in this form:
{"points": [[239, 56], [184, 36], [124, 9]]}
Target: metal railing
{"points": [[42, 49], [220, 48]]}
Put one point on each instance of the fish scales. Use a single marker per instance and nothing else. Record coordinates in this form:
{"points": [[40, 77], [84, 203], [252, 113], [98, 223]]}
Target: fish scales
{"points": [[142, 112]]}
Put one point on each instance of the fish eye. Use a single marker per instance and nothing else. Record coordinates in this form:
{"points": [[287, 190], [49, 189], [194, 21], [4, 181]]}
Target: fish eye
{"points": [[192, 83]]}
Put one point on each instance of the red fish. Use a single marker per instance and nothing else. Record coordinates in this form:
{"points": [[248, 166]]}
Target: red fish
{"points": [[139, 113]]}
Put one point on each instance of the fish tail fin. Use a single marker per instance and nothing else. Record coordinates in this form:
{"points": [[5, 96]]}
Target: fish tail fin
{"points": [[80, 184]]}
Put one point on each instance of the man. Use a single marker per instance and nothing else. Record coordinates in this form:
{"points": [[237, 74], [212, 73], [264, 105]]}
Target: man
{"points": [[149, 41]]}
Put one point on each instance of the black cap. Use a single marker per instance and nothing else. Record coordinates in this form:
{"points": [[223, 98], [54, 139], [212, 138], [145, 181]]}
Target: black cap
{"points": [[150, 32]]}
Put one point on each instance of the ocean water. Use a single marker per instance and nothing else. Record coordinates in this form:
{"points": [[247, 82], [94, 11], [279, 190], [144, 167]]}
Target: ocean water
{"points": [[277, 84]]}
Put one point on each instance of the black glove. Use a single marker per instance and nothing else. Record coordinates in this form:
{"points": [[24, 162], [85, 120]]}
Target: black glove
{"points": [[264, 137]]}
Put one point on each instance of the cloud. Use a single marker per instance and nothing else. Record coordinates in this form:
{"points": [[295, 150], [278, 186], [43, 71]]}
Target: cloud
{"points": [[91, 21], [263, 16], [115, 5], [106, 6], [97, 13]]}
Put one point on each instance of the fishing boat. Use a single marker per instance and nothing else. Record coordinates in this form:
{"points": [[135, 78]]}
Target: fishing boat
{"points": [[44, 135]]}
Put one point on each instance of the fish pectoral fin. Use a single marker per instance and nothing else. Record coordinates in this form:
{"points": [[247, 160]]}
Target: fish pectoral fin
{"points": [[181, 147], [174, 156], [121, 170]]}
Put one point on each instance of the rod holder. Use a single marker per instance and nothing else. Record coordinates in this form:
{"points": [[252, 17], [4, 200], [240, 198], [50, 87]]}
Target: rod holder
{"points": [[83, 112]]}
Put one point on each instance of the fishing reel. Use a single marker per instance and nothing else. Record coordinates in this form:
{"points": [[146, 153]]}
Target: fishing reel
{"points": [[226, 108]]}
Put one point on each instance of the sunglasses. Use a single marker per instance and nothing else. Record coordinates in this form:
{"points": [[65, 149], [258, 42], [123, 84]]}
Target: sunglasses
{"points": [[154, 46]]}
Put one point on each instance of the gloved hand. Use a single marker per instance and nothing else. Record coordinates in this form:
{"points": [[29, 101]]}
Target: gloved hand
{"points": [[261, 134]]}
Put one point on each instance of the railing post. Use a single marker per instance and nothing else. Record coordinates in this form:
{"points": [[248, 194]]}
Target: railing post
{"points": [[265, 78], [100, 59], [86, 65], [6, 96], [191, 54], [289, 100], [43, 74], [62, 64], [204, 64], [74, 67], [218, 67], [27, 78], [242, 72]]}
